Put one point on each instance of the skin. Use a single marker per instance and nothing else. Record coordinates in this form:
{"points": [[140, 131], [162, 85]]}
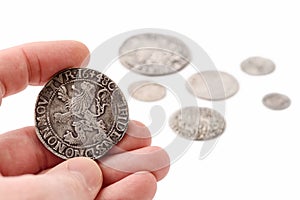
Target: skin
{"points": [[29, 171]]}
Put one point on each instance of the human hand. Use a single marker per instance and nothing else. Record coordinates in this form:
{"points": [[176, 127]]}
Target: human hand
{"points": [[28, 170]]}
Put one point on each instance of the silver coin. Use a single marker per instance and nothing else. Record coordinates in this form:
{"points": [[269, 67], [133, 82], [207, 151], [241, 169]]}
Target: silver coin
{"points": [[258, 66], [196, 123], [276, 101], [213, 85], [80, 112], [147, 91], [154, 54]]}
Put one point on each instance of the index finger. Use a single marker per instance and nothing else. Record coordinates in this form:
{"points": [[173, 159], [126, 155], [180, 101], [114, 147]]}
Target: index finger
{"points": [[35, 63], [21, 151]]}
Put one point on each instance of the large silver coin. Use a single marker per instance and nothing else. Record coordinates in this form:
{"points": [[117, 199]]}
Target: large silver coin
{"points": [[276, 101], [213, 85], [197, 123], [258, 66], [80, 112], [147, 91], [154, 54]]}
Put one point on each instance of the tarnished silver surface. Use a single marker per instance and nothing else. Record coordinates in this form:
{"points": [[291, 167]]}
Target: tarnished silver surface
{"points": [[276, 101], [147, 91], [258, 66], [80, 112], [196, 123], [154, 54], [212, 85]]}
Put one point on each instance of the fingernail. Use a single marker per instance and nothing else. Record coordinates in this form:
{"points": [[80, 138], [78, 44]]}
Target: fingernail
{"points": [[88, 170], [137, 123], [138, 130], [142, 173]]}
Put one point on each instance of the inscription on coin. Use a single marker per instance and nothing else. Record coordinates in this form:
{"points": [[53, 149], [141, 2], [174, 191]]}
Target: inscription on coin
{"points": [[276, 101], [197, 123], [80, 112], [258, 66], [154, 54], [213, 85], [147, 91]]}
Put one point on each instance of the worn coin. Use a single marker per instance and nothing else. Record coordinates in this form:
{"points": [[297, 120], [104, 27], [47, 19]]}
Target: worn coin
{"points": [[80, 112], [258, 66], [276, 101], [212, 85], [154, 54], [196, 123], [147, 91]]}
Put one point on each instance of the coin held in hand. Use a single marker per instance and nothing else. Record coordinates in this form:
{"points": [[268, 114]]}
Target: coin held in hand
{"points": [[80, 112]]}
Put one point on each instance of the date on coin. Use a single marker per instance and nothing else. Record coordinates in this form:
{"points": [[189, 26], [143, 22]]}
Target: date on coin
{"points": [[80, 112]]}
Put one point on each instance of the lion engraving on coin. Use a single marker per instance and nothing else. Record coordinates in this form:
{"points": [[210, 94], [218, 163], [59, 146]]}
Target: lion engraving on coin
{"points": [[78, 110]]}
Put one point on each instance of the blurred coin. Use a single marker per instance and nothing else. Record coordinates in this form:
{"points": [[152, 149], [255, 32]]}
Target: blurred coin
{"points": [[258, 66], [147, 91], [276, 101], [213, 85], [196, 123], [154, 54]]}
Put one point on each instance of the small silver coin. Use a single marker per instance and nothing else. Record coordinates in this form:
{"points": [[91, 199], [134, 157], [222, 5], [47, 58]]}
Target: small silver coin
{"points": [[147, 91], [276, 101], [258, 66], [196, 123], [80, 112], [154, 54], [213, 85]]}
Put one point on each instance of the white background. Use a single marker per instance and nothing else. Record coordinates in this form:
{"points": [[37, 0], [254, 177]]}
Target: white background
{"points": [[258, 155]]}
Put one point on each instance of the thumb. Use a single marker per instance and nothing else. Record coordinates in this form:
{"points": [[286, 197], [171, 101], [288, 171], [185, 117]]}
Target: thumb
{"points": [[77, 178]]}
